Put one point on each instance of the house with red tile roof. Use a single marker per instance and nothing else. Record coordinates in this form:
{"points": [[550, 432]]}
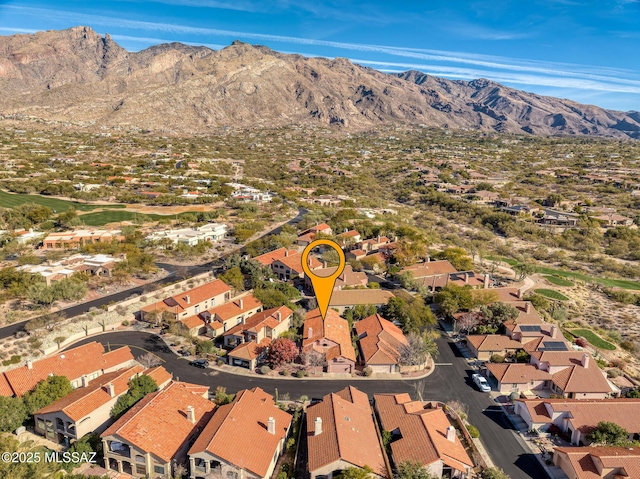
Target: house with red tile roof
{"points": [[348, 239], [309, 235], [290, 267], [421, 435], [214, 321], [598, 462], [87, 408], [270, 323], [372, 244], [347, 279], [242, 439], [379, 343], [267, 259], [519, 377], [341, 434], [331, 337], [578, 417], [483, 346], [191, 302], [155, 434], [87, 361]]}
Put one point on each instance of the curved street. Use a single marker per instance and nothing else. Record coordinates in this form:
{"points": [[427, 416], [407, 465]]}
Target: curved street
{"points": [[451, 380]]}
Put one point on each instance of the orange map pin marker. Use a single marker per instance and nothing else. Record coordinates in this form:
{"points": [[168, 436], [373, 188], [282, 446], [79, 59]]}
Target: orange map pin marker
{"points": [[323, 285]]}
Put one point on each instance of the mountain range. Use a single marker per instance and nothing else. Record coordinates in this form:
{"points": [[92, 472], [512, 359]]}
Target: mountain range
{"points": [[80, 77]]}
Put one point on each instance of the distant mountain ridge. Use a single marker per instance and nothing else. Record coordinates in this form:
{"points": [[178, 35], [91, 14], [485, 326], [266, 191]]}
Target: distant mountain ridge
{"points": [[76, 75]]}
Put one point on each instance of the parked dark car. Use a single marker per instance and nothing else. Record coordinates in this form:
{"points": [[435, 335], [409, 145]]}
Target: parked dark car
{"points": [[183, 352], [200, 363]]}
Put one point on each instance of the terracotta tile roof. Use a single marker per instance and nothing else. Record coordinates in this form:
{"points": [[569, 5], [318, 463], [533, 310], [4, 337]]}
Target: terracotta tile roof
{"points": [[159, 374], [517, 373], [348, 277], [585, 414], [192, 322], [83, 401], [349, 297], [358, 253], [624, 462], [577, 379], [73, 363], [249, 350], [241, 426], [349, 234], [379, 340], [506, 295], [268, 317], [294, 262], [158, 423], [232, 309], [493, 342], [268, 258], [430, 268], [423, 432], [348, 432], [198, 294], [5, 388], [559, 358], [322, 227], [334, 328]]}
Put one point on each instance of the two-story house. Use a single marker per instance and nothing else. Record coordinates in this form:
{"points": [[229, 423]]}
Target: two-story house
{"points": [[331, 337], [155, 435], [243, 439]]}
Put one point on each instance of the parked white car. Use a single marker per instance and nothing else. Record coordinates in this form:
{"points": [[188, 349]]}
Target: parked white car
{"points": [[481, 382]]}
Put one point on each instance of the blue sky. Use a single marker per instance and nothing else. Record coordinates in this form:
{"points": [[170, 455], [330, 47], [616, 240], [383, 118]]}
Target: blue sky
{"points": [[587, 51]]}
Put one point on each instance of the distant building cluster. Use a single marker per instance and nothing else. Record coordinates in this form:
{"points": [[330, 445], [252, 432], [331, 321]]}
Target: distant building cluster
{"points": [[96, 265]]}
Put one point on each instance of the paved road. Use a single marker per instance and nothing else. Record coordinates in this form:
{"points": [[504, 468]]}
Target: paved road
{"points": [[186, 272], [451, 380]]}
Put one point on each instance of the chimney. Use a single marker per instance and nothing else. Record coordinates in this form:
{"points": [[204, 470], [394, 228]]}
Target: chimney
{"points": [[554, 330], [29, 364], [324, 264], [451, 434], [278, 316], [240, 303], [585, 360], [428, 259], [527, 307], [519, 294], [111, 389], [271, 426], [317, 426], [187, 298], [85, 381], [310, 334], [466, 278], [486, 281], [191, 414]]}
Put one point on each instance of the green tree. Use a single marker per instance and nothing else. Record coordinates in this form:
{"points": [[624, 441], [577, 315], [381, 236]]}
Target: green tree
{"points": [[85, 445], [608, 434], [412, 470], [139, 387], [13, 413], [523, 269], [497, 313], [453, 298], [458, 257], [356, 473], [411, 312], [494, 473], [46, 392], [205, 346], [234, 278], [24, 469]]}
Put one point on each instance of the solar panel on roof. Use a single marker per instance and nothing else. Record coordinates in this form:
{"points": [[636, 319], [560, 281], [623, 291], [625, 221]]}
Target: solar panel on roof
{"points": [[555, 346], [529, 328]]}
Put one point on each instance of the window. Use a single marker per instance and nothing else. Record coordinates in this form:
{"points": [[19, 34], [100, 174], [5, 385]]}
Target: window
{"points": [[139, 458], [197, 308], [40, 424], [158, 469]]}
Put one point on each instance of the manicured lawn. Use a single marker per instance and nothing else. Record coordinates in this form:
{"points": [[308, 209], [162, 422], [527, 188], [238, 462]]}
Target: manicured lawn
{"points": [[609, 283], [10, 200], [594, 339], [101, 218], [509, 261], [558, 281], [552, 294]]}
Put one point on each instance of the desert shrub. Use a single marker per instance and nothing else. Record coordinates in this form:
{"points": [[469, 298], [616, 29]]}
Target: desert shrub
{"points": [[496, 358], [367, 371], [301, 373], [614, 373], [473, 431], [265, 369], [628, 345]]}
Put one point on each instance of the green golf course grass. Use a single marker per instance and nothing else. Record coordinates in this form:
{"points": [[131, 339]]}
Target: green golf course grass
{"points": [[11, 200], [593, 339], [551, 294], [101, 218], [558, 281]]}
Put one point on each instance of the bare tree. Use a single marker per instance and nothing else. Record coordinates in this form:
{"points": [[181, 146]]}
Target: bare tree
{"points": [[460, 408], [149, 360], [314, 359], [468, 321]]}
